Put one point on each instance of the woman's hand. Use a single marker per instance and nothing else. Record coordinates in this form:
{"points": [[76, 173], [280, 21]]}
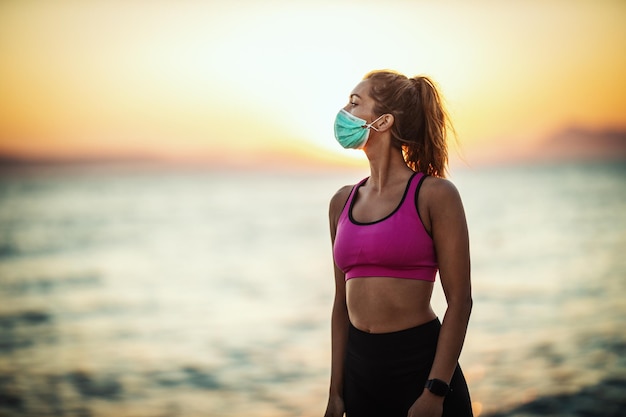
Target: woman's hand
{"points": [[335, 408], [427, 405]]}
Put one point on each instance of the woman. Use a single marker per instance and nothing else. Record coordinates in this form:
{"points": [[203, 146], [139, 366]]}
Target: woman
{"points": [[391, 233]]}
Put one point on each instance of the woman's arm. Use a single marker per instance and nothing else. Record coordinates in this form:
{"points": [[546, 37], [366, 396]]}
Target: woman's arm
{"points": [[339, 337], [339, 320], [449, 231]]}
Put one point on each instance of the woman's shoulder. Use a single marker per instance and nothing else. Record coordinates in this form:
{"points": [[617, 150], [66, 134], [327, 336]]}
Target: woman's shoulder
{"points": [[439, 189], [339, 200], [341, 196]]}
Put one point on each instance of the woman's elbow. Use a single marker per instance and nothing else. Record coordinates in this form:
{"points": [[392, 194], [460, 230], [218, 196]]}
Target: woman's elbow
{"points": [[463, 305]]}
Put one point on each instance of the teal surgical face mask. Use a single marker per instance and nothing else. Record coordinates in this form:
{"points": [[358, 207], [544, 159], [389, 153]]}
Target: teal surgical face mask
{"points": [[352, 132]]}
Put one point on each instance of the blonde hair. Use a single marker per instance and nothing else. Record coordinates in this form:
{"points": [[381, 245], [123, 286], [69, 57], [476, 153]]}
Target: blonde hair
{"points": [[421, 122]]}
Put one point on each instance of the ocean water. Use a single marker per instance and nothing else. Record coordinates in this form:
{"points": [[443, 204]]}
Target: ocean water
{"points": [[198, 293]]}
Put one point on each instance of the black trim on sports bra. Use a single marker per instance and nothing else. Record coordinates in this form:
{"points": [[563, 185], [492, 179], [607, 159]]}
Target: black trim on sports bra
{"points": [[356, 191], [417, 191]]}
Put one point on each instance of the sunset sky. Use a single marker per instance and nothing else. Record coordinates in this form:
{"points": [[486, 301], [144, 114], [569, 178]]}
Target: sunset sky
{"points": [[260, 80]]}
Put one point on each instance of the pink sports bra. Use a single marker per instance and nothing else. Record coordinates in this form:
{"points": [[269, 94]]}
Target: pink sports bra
{"points": [[396, 246]]}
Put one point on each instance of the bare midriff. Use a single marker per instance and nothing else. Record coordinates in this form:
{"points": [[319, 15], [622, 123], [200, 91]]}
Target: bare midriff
{"points": [[383, 305]]}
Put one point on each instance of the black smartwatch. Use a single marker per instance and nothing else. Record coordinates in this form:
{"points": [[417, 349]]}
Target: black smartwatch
{"points": [[437, 387]]}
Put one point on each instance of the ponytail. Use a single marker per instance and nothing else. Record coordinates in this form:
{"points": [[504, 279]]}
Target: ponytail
{"points": [[420, 121]]}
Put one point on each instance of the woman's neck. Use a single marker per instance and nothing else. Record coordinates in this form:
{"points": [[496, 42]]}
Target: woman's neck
{"points": [[387, 167]]}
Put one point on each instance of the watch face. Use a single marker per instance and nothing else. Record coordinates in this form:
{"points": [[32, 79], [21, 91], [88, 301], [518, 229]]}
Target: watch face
{"points": [[437, 387]]}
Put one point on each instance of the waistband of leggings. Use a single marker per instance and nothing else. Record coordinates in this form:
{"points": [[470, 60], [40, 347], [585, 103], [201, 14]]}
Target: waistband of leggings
{"points": [[423, 330]]}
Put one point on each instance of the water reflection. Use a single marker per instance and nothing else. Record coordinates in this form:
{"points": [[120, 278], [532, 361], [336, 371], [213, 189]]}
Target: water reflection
{"points": [[200, 294]]}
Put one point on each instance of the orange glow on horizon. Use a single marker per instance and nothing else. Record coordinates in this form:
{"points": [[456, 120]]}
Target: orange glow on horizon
{"points": [[188, 80]]}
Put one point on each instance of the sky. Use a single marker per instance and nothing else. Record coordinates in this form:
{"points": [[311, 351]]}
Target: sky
{"points": [[258, 82]]}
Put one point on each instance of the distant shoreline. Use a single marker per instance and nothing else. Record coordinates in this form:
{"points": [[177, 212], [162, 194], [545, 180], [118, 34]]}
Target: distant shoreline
{"points": [[569, 145]]}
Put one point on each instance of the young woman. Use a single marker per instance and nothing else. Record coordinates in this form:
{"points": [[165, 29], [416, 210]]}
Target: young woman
{"points": [[391, 233]]}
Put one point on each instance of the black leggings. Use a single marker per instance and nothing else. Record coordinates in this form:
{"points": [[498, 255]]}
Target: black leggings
{"points": [[385, 373]]}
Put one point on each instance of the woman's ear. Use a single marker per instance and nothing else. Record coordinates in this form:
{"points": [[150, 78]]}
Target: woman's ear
{"points": [[385, 122]]}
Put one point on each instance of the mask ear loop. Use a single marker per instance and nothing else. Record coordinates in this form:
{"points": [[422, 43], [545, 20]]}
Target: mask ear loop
{"points": [[370, 125]]}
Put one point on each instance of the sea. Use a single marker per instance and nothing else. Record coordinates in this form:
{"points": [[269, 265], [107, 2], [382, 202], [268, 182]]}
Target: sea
{"points": [[198, 292]]}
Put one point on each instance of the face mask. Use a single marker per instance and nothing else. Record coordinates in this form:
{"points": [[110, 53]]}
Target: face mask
{"points": [[352, 132]]}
